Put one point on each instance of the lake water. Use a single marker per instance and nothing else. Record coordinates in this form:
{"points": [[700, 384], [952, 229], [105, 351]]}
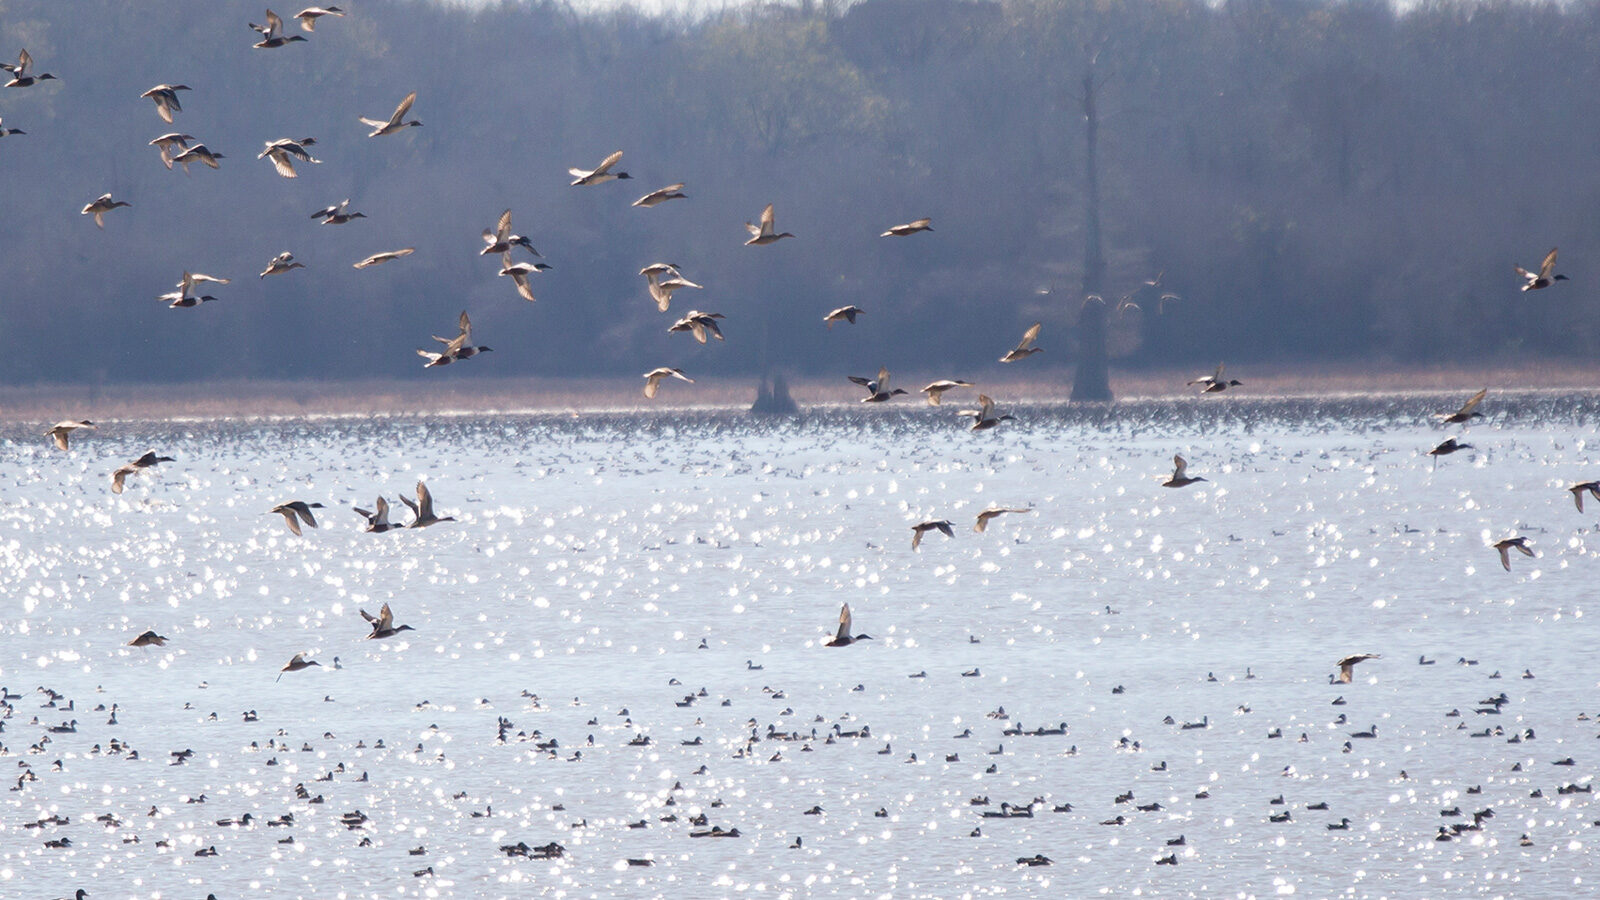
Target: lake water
{"points": [[672, 576]]}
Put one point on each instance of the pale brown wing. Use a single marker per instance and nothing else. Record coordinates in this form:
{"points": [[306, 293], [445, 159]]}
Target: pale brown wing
{"points": [[1549, 264], [502, 229], [844, 623], [607, 163], [767, 220], [1472, 403], [424, 501], [404, 107]]}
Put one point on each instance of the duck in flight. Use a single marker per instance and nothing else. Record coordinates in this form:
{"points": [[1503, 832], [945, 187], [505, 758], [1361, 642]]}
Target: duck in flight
{"points": [[422, 508], [1506, 545], [140, 464], [842, 314], [1347, 665], [337, 214], [167, 143], [296, 511], [909, 228], [935, 389], [19, 72], [519, 272], [1180, 474], [652, 379], [308, 17], [501, 240], [1577, 490], [396, 121], [378, 521], [1447, 447], [283, 262], [983, 418], [877, 388], [199, 153], [766, 232], [921, 528], [383, 624], [661, 288], [165, 97], [698, 324], [184, 296], [386, 256], [1544, 277], [284, 151], [1467, 412], [5, 131], [843, 637], [985, 516], [148, 639], [294, 665], [658, 197], [599, 174], [1215, 382], [272, 33], [62, 430], [1025, 348]]}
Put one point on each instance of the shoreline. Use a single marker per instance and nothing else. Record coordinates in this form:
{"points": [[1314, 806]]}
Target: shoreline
{"points": [[532, 394]]}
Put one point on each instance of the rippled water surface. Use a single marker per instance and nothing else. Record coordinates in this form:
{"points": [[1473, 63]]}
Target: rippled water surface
{"points": [[618, 645]]}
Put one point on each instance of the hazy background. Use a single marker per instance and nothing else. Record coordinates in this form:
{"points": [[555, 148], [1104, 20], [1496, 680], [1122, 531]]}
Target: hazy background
{"points": [[1329, 182]]}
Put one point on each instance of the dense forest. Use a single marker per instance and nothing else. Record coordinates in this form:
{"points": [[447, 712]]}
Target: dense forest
{"points": [[1333, 181]]}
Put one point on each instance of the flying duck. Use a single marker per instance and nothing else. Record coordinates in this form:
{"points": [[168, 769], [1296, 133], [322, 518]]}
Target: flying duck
{"points": [[165, 97], [284, 151], [698, 323], [1506, 545], [385, 256], [1467, 412], [272, 33], [1025, 348], [5, 131], [653, 379], [308, 17], [1543, 279], [422, 508], [1592, 487], [1214, 382], [991, 512], [935, 389], [169, 142], [143, 462], [1347, 665], [501, 240], [294, 665], [396, 121], [61, 430], [281, 263], [337, 214], [1180, 477], [599, 174], [19, 72], [983, 418], [1445, 448], [842, 314], [296, 511], [658, 197], [921, 528], [383, 624], [148, 639], [766, 232], [377, 522], [198, 153], [661, 288], [519, 273], [99, 206], [843, 637], [909, 228], [877, 388]]}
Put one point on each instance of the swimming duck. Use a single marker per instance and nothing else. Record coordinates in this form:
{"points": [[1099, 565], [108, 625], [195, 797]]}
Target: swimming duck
{"points": [[396, 121], [272, 33], [338, 214], [698, 323], [385, 256], [983, 418], [165, 97], [661, 288], [99, 206], [198, 153], [281, 263], [843, 638], [61, 430], [921, 528], [599, 174], [519, 273], [842, 314], [1347, 665], [1544, 278], [296, 511], [422, 509], [378, 521], [993, 511], [284, 151], [148, 639], [383, 624], [658, 197], [1180, 477], [169, 142], [143, 462], [308, 17], [19, 72], [501, 240], [1215, 382], [909, 228], [766, 232], [294, 665], [1506, 545], [654, 376], [1025, 348], [1466, 413], [877, 388], [1592, 487]]}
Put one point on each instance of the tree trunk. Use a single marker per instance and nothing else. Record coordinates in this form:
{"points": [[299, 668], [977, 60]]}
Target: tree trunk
{"points": [[1093, 380]]}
